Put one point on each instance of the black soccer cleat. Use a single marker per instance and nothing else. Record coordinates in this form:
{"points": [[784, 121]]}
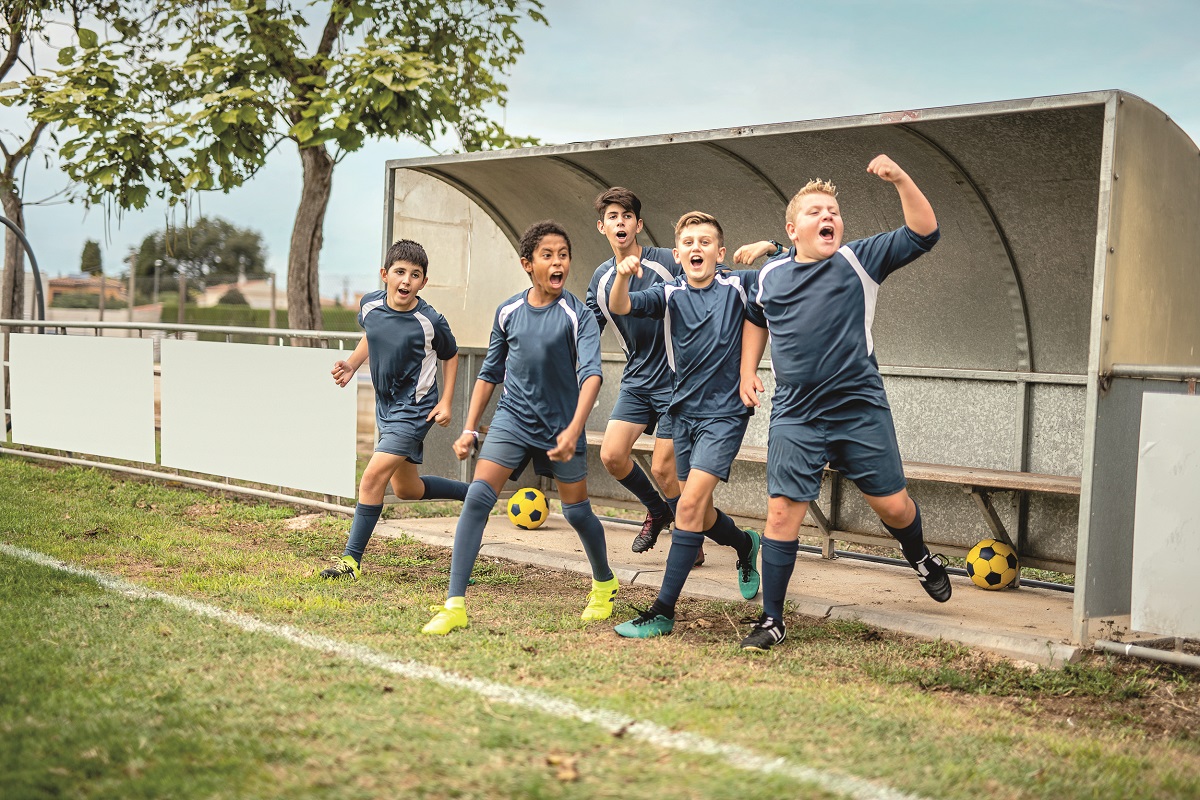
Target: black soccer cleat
{"points": [[651, 527], [767, 631], [931, 570]]}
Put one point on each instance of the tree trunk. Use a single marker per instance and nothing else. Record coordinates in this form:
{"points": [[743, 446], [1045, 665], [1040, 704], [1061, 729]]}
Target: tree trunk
{"points": [[303, 292], [12, 287]]}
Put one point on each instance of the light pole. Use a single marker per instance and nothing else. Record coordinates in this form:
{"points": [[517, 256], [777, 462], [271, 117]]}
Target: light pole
{"points": [[157, 264]]}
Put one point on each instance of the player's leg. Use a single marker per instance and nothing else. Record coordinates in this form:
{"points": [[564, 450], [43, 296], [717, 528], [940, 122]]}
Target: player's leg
{"points": [[630, 417], [863, 447], [407, 484], [571, 478], [366, 514], [663, 467], [468, 537]]}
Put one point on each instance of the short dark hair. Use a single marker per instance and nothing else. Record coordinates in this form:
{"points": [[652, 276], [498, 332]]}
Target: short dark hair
{"points": [[534, 234], [621, 196], [409, 251], [699, 218]]}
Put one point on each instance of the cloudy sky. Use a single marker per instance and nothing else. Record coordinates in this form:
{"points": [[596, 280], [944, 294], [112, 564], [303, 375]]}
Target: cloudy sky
{"points": [[638, 67]]}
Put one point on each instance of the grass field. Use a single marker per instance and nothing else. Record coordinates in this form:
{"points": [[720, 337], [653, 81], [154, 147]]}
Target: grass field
{"points": [[323, 690]]}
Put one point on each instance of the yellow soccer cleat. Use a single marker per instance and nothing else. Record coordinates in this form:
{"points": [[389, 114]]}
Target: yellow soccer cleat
{"points": [[448, 617], [600, 600]]}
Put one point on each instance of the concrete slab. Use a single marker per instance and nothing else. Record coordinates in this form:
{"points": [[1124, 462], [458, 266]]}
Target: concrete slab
{"points": [[1027, 624]]}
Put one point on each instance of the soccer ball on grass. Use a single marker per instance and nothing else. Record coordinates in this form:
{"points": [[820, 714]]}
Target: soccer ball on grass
{"points": [[527, 509], [992, 564]]}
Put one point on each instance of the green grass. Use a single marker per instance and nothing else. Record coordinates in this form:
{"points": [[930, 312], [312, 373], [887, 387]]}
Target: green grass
{"points": [[107, 697]]}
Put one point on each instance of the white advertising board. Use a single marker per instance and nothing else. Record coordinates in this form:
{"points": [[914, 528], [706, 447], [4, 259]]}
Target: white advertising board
{"points": [[259, 413], [83, 394]]}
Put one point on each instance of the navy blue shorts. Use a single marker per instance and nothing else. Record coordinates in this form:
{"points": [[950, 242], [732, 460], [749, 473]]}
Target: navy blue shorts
{"points": [[857, 439], [642, 408], [403, 439], [509, 448], [708, 444]]}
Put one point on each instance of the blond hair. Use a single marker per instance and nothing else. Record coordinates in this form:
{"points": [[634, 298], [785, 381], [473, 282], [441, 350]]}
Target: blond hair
{"points": [[814, 186], [699, 218]]}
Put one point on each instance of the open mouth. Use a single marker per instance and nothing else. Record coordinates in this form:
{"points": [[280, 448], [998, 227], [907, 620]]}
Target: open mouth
{"points": [[622, 236], [826, 233], [697, 261], [556, 279]]}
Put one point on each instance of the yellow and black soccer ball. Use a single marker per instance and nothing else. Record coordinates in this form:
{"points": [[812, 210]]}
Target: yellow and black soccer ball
{"points": [[992, 564], [527, 509]]}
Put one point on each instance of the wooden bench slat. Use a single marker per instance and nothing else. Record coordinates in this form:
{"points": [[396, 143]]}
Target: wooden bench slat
{"points": [[941, 473]]}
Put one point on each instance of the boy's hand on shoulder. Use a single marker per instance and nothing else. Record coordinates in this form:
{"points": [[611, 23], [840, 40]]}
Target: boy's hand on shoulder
{"points": [[883, 167], [630, 265], [749, 253], [342, 372], [751, 387]]}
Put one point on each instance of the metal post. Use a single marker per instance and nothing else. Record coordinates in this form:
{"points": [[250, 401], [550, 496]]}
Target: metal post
{"points": [[271, 317], [132, 283], [100, 305], [182, 294], [157, 264]]}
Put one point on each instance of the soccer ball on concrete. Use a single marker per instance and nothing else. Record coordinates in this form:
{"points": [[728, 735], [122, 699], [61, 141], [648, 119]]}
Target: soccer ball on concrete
{"points": [[527, 509], [992, 564]]}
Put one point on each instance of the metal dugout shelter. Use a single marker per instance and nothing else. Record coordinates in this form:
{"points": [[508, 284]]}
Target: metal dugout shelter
{"points": [[1063, 288]]}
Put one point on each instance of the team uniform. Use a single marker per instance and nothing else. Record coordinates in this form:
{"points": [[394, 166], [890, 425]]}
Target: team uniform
{"points": [[542, 356], [646, 383], [403, 350], [702, 340], [829, 403]]}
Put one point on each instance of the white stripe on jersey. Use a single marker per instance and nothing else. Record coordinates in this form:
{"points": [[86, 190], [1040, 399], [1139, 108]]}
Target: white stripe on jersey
{"points": [[669, 345], [602, 302], [368, 308], [508, 311], [659, 270], [762, 274], [562, 301], [428, 377], [870, 293], [736, 282]]}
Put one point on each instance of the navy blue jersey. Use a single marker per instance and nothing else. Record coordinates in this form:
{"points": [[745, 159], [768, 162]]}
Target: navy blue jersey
{"points": [[819, 315], [542, 355], [403, 348], [646, 366], [702, 332]]}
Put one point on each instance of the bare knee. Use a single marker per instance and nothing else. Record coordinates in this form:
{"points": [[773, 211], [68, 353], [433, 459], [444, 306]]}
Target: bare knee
{"points": [[616, 461], [408, 490], [897, 511], [664, 474]]}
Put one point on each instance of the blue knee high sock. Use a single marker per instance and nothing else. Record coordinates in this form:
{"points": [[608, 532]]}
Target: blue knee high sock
{"points": [[443, 489], [361, 528], [778, 561], [468, 536], [911, 539], [641, 487], [591, 534], [725, 531], [680, 558], [673, 504]]}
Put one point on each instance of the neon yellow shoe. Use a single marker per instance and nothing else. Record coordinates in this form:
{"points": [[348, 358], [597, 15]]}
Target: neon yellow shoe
{"points": [[600, 600], [448, 617]]}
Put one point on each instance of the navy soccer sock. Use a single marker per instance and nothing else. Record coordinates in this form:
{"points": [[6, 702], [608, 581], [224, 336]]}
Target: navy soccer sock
{"points": [[778, 561], [673, 504], [591, 533], [443, 489], [468, 536], [680, 558], [725, 531], [637, 482], [361, 528], [911, 540]]}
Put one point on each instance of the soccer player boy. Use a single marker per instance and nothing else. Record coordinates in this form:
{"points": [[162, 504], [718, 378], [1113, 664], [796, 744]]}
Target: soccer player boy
{"points": [[404, 338], [829, 404], [703, 312], [545, 349]]}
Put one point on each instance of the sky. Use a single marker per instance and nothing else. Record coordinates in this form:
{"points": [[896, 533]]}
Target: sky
{"points": [[640, 67]]}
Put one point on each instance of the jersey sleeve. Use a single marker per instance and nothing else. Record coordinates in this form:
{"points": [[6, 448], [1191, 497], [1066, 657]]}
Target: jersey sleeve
{"points": [[884, 253], [650, 302], [591, 301], [444, 343], [664, 256], [492, 370], [587, 349]]}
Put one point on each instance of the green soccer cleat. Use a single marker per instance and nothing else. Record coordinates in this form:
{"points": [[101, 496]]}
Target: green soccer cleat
{"points": [[600, 600], [748, 577], [345, 567], [446, 618], [647, 625]]}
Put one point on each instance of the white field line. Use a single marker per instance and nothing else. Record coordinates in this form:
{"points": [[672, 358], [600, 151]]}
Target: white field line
{"points": [[610, 721]]}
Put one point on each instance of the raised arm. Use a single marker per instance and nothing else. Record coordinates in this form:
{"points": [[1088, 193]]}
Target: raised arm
{"points": [[618, 296], [343, 371], [749, 253], [918, 213]]}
